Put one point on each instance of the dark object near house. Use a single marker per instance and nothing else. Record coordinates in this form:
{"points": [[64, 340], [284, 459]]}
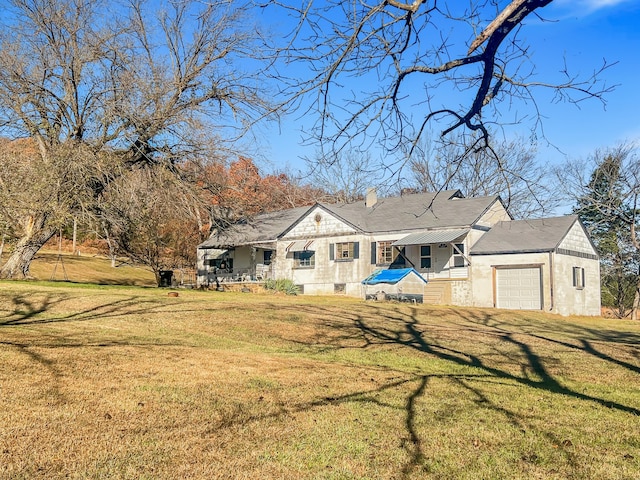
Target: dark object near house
{"points": [[166, 276]]}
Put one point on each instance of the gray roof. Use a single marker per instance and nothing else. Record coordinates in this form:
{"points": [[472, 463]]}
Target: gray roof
{"points": [[263, 228], [524, 236], [419, 211], [432, 236], [414, 212]]}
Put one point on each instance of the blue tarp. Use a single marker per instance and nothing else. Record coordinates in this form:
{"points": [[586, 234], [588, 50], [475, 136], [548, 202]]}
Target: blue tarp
{"points": [[390, 276]]}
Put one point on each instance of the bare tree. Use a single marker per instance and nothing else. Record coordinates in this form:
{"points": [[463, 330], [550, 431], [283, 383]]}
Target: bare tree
{"points": [[37, 194], [385, 72], [509, 170], [344, 176], [148, 217], [132, 81]]}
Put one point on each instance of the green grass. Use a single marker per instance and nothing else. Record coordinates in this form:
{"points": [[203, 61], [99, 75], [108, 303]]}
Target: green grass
{"points": [[88, 268], [127, 382]]}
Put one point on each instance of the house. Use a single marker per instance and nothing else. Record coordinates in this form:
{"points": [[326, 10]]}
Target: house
{"points": [[469, 251]]}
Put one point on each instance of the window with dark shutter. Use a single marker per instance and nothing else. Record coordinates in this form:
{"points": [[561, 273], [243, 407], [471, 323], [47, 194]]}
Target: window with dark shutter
{"points": [[346, 251]]}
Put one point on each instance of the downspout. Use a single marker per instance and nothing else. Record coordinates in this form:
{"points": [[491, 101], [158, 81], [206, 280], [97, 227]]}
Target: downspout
{"points": [[551, 270]]}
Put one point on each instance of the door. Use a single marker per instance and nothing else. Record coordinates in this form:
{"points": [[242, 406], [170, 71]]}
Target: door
{"points": [[519, 288]]}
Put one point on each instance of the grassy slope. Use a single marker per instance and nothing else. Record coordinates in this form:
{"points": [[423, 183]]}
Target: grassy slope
{"points": [[48, 265], [122, 382]]}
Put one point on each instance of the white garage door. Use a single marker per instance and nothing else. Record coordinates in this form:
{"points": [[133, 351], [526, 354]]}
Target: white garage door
{"points": [[519, 288]]}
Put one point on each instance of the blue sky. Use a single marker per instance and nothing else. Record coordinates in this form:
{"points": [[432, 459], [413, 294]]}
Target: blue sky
{"points": [[585, 33]]}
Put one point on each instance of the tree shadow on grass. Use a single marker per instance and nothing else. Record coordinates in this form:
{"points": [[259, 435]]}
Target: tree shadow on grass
{"points": [[29, 309], [418, 330], [377, 326]]}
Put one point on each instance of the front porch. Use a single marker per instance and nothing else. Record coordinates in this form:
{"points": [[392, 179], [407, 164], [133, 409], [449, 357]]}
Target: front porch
{"points": [[241, 265]]}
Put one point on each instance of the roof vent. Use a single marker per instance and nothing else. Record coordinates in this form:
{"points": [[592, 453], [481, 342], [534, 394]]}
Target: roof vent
{"points": [[372, 197]]}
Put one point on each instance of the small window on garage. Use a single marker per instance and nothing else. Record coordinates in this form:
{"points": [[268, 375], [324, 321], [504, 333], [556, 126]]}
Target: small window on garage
{"points": [[340, 288], [578, 277]]}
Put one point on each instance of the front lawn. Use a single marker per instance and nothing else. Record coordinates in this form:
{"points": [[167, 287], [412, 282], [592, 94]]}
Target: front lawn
{"points": [[125, 382]]}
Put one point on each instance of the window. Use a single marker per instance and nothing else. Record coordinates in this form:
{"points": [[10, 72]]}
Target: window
{"points": [[344, 251], [458, 255], [385, 253], [268, 255], [425, 256], [340, 288], [578, 277], [222, 264], [304, 259]]}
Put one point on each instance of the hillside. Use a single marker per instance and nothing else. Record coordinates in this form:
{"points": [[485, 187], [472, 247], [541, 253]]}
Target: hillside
{"points": [[88, 268]]}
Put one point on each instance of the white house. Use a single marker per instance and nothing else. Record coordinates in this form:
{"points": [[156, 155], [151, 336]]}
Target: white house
{"points": [[469, 251]]}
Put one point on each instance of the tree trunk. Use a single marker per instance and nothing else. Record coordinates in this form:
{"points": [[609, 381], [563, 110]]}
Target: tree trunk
{"points": [[19, 262], [636, 301]]}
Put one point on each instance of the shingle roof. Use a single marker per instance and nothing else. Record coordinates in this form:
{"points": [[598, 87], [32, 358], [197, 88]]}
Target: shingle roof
{"points": [[263, 228], [522, 236], [408, 213], [418, 211]]}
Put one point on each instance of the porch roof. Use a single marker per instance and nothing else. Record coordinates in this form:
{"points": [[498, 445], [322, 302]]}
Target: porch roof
{"points": [[214, 253], [432, 236]]}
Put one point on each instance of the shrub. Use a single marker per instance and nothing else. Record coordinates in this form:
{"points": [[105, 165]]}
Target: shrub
{"points": [[283, 285]]}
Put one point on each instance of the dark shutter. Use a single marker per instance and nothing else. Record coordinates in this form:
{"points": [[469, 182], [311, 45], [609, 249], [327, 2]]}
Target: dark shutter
{"points": [[374, 258], [332, 254], [356, 250]]}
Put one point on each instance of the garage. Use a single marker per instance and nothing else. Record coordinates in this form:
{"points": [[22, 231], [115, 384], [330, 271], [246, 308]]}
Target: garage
{"points": [[519, 288]]}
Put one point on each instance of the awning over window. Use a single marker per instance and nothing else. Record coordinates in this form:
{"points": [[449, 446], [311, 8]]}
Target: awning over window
{"points": [[214, 253], [432, 236], [300, 246]]}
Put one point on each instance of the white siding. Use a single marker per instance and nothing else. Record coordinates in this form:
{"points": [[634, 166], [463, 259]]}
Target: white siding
{"points": [[496, 213], [318, 222], [577, 241], [572, 300], [484, 272]]}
